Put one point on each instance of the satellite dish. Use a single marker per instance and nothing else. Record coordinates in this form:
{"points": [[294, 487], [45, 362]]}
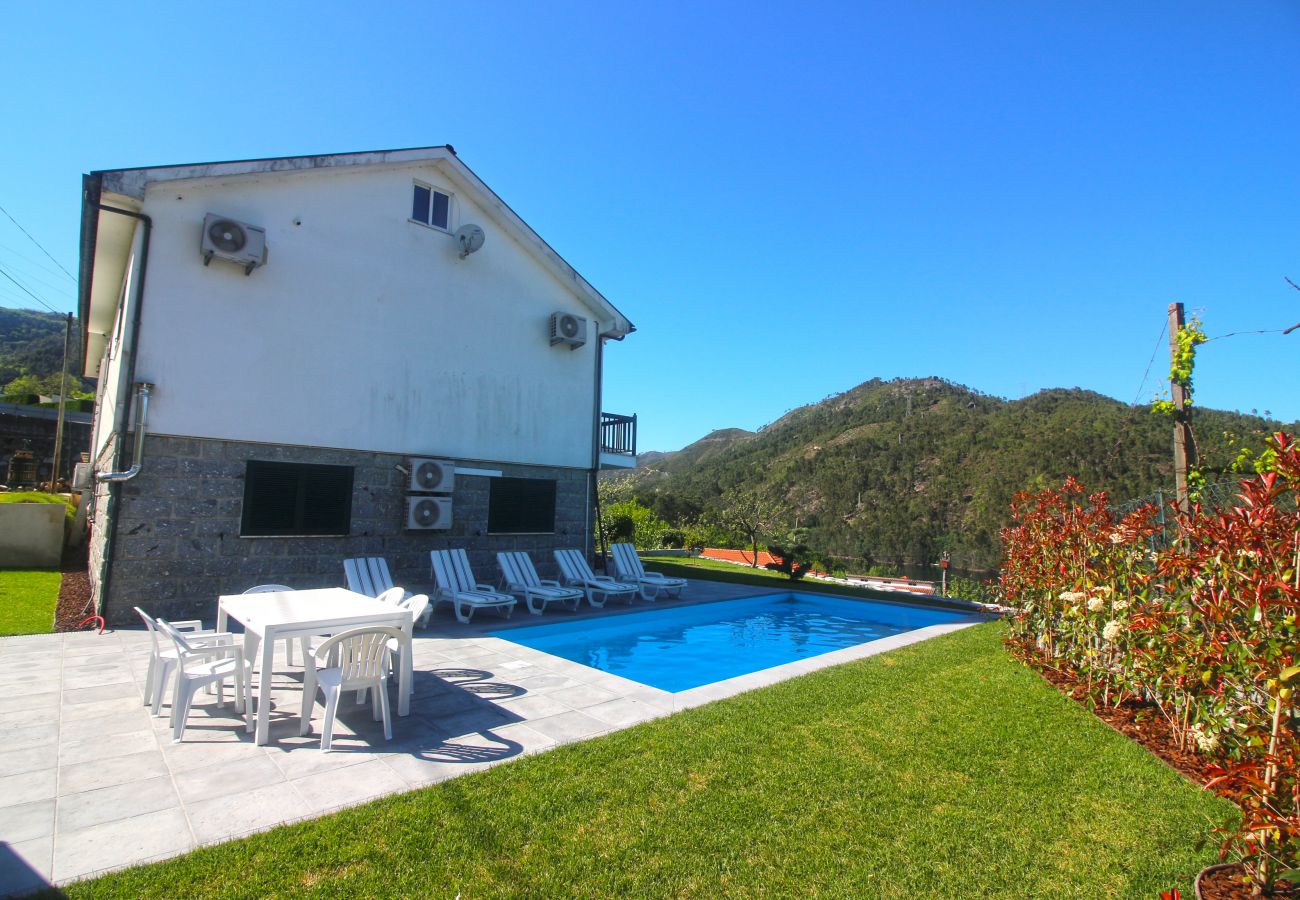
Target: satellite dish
{"points": [[227, 235], [470, 238]]}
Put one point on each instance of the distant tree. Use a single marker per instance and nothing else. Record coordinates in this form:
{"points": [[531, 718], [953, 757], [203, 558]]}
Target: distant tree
{"points": [[794, 562], [27, 385], [749, 516], [629, 522]]}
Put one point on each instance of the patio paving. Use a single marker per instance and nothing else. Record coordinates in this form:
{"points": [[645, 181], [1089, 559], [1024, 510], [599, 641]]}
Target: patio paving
{"points": [[89, 781]]}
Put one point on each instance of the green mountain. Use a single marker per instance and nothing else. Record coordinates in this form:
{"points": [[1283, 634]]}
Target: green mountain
{"points": [[31, 343], [900, 471]]}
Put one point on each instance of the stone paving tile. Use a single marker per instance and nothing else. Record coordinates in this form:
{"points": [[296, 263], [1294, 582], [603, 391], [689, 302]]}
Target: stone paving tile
{"points": [[544, 683], [331, 790], [623, 712], [26, 866], [96, 748], [17, 702], [26, 759], [28, 786], [241, 812], [106, 726], [534, 706], [99, 693], [122, 801], [95, 677], [582, 696], [125, 704], [42, 734], [569, 726], [218, 780], [418, 771], [114, 844], [88, 776], [476, 720], [27, 821], [188, 755], [43, 715]]}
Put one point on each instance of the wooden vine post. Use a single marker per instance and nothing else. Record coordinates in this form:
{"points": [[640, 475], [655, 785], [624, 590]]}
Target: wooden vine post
{"points": [[1184, 447]]}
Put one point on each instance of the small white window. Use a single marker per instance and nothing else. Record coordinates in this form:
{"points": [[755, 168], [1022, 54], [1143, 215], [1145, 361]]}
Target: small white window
{"points": [[431, 207]]}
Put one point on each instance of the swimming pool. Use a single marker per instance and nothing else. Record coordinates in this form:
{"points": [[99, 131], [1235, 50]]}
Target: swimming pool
{"points": [[683, 647]]}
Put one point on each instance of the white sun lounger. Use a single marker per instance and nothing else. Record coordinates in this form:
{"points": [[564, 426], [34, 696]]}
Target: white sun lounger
{"points": [[629, 568], [522, 581], [575, 571], [456, 585]]}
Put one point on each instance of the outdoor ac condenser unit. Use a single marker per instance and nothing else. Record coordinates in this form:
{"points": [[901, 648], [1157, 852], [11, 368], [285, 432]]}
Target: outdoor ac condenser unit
{"points": [[567, 328], [428, 513], [432, 476], [236, 242]]}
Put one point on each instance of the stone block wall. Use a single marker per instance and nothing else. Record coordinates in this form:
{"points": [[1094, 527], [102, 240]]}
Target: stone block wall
{"points": [[176, 546]]}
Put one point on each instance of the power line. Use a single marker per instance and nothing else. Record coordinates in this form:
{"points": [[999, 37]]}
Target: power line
{"points": [[24, 289], [38, 244], [1164, 329], [29, 260]]}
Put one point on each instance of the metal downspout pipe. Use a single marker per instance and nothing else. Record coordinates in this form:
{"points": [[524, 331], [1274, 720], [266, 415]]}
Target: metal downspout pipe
{"points": [[106, 577], [142, 391]]}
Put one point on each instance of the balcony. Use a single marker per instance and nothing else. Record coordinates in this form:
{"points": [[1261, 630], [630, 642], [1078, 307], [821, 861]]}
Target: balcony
{"points": [[617, 441]]}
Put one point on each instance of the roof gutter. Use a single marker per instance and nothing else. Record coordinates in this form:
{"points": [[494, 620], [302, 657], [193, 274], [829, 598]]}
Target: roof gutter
{"points": [[90, 223]]}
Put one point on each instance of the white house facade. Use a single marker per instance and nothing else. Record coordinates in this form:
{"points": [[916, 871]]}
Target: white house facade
{"points": [[285, 340]]}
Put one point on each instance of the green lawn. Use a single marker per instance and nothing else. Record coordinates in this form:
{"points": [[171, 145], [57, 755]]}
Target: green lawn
{"points": [[41, 497], [27, 600], [944, 769], [717, 570]]}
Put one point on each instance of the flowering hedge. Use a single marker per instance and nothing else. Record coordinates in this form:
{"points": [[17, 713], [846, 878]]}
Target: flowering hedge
{"points": [[1203, 629]]}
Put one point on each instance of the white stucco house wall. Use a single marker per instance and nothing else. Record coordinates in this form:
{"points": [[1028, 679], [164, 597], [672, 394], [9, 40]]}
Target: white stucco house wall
{"points": [[289, 394]]}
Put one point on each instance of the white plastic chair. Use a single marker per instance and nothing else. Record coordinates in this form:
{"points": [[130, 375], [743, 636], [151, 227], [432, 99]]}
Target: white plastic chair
{"points": [[457, 586], [288, 642], [628, 567], [162, 659], [368, 575], [522, 580], [419, 606], [575, 571], [393, 596], [197, 666], [362, 664]]}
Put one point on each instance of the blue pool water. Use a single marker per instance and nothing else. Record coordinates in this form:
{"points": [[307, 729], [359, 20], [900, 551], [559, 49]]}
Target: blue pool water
{"points": [[678, 648]]}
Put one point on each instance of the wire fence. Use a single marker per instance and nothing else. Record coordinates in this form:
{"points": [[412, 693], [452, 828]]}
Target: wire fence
{"points": [[1212, 497]]}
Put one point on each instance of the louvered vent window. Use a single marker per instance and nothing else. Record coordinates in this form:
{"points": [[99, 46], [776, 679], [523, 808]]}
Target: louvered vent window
{"points": [[283, 499], [521, 506]]}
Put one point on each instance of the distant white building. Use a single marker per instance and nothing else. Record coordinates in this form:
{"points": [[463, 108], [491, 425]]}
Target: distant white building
{"points": [[310, 330]]}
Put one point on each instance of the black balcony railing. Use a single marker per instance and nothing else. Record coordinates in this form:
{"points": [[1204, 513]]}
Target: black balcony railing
{"points": [[617, 434]]}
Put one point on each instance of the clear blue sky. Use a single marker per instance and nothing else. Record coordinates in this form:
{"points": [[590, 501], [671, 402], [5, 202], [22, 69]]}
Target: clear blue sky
{"points": [[786, 199]]}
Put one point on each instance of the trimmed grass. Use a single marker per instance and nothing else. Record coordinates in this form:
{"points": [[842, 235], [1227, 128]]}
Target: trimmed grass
{"points": [[27, 600], [717, 570], [945, 769], [70, 504]]}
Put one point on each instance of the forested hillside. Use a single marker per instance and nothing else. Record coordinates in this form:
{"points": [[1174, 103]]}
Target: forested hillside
{"points": [[899, 471], [31, 343]]}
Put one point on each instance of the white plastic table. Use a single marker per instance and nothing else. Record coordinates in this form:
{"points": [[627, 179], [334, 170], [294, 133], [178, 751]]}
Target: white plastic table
{"points": [[275, 615]]}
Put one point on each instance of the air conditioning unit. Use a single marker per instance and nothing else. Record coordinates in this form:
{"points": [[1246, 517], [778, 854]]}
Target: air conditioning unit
{"points": [[428, 513], [236, 242], [432, 476], [567, 328]]}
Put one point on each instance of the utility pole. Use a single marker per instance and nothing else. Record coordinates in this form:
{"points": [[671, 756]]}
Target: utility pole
{"points": [[63, 404], [1184, 448]]}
